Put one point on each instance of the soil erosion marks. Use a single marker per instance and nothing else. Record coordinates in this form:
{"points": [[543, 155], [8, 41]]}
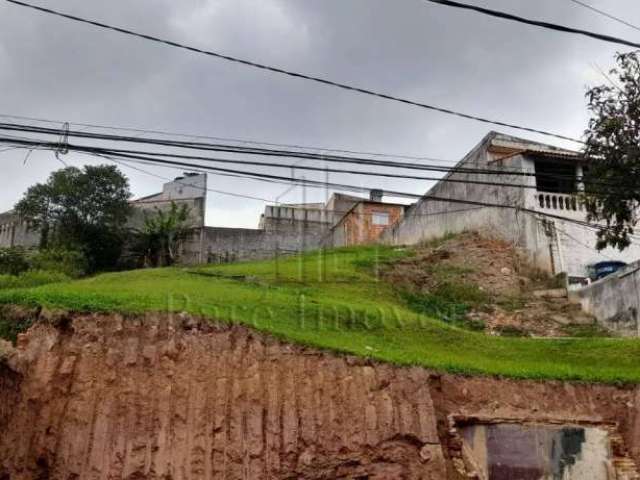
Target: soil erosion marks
{"points": [[158, 397]]}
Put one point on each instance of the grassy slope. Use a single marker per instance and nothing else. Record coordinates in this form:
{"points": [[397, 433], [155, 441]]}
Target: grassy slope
{"points": [[334, 301]]}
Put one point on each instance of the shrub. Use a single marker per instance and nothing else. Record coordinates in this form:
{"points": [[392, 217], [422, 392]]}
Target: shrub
{"points": [[9, 329], [13, 261], [511, 331], [72, 263], [450, 302], [32, 278]]}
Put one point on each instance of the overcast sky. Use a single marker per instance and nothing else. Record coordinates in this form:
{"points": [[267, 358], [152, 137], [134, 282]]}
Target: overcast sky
{"points": [[56, 69]]}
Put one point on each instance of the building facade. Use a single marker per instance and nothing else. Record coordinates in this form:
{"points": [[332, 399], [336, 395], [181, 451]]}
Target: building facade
{"points": [[189, 190], [534, 205], [282, 230], [364, 222], [15, 232]]}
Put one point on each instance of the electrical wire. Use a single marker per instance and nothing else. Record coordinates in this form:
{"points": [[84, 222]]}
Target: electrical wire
{"points": [[410, 213], [320, 169], [446, 179], [212, 190], [281, 153], [346, 187], [237, 140], [260, 151], [291, 73], [527, 21], [605, 14], [319, 184]]}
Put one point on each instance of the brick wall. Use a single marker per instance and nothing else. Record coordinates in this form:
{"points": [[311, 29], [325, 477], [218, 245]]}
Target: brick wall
{"points": [[358, 226]]}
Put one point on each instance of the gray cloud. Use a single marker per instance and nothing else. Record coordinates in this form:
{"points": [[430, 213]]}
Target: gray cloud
{"points": [[53, 68]]}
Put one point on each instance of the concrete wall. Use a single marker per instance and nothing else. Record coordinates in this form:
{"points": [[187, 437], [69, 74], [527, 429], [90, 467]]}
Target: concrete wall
{"points": [[428, 218], [185, 187], [357, 227], [280, 236], [339, 204], [189, 190], [573, 245], [614, 300], [223, 245], [148, 208], [15, 232], [432, 218], [274, 213], [551, 244]]}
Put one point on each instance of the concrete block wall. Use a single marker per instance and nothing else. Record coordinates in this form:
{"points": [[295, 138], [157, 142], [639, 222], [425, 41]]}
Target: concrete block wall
{"points": [[614, 300], [431, 218], [15, 232], [357, 228], [148, 208], [280, 236], [276, 212], [577, 249], [223, 245]]}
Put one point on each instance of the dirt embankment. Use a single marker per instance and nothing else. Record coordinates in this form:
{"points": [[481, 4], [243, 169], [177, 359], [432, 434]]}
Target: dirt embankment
{"points": [[106, 397], [504, 295]]}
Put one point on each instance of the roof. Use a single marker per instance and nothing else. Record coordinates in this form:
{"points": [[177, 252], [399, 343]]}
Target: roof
{"points": [[502, 143], [509, 146], [573, 157]]}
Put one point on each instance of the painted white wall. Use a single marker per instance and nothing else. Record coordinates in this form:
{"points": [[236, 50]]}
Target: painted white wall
{"points": [[552, 245], [187, 187]]}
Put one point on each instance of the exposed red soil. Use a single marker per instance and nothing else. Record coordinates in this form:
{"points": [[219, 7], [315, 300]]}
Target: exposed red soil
{"points": [[106, 397], [496, 268], [159, 398]]}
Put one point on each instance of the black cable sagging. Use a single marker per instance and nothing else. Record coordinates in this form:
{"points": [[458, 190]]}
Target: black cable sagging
{"points": [[291, 73]]}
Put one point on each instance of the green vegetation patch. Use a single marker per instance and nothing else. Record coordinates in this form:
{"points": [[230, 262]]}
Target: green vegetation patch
{"points": [[586, 331], [336, 300], [31, 278], [448, 297]]}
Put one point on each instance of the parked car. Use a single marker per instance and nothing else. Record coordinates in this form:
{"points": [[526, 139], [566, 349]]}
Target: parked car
{"points": [[602, 269]]}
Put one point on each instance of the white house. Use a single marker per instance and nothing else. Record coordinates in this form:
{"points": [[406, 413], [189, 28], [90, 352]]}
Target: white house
{"points": [[537, 210]]}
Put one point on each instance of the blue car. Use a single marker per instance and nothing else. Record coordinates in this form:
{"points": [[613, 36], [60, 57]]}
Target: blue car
{"points": [[602, 269]]}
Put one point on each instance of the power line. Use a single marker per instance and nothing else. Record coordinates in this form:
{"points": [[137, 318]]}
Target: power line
{"points": [[579, 242], [284, 153], [320, 184], [256, 151], [446, 179], [290, 73], [527, 21], [213, 190], [602, 12], [269, 177], [305, 167], [237, 140]]}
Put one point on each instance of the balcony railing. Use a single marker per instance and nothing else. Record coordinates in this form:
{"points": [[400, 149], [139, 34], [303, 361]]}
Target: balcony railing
{"points": [[555, 201]]}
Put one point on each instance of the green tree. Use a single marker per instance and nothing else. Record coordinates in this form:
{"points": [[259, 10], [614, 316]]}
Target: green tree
{"points": [[612, 177], [159, 241], [83, 209]]}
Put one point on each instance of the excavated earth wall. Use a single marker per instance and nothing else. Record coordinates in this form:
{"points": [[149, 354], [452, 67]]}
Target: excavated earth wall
{"points": [[159, 397]]}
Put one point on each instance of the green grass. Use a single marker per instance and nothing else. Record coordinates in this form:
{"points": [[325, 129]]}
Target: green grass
{"points": [[31, 278], [449, 298], [335, 301], [586, 331]]}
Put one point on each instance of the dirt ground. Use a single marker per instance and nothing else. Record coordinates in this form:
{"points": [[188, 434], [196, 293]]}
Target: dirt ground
{"points": [[518, 299], [172, 397]]}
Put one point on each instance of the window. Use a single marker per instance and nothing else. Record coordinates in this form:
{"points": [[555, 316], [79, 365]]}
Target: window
{"points": [[555, 177], [380, 218]]}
